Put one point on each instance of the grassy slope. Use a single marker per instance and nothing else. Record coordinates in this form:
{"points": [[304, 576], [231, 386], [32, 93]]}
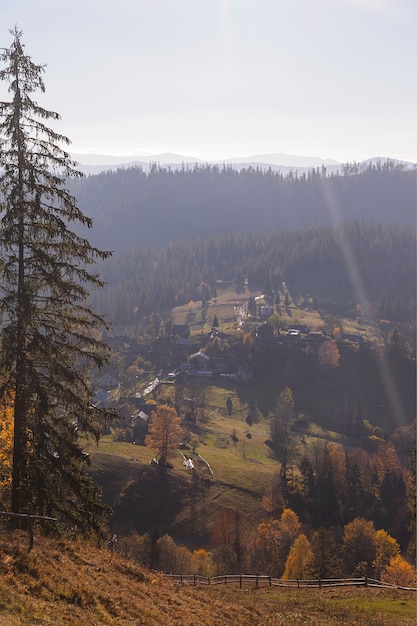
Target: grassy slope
{"points": [[146, 499], [64, 583]]}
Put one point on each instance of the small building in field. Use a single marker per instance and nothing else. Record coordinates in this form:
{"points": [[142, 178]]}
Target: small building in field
{"points": [[301, 328]]}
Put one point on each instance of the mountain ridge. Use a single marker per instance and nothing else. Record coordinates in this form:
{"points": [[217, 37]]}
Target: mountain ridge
{"points": [[274, 158], [91, 163]]}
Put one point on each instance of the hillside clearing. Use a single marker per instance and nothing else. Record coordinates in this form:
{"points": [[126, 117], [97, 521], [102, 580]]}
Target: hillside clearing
{"points": [[70, 583]]}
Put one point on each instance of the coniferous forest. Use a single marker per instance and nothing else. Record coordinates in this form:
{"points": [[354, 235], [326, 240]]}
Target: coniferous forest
{"points": [[152, 279], [132, 208], [173, 231]]}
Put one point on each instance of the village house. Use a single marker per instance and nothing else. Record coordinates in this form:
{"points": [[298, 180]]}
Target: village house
{"points": [[265, 332], [200, 360], [140, 427], [108, 382]]}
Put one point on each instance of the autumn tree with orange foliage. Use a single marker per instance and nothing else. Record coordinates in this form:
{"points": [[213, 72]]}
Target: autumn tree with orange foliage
{"points": [[275, 538], [165, 432], [399, 572], [229, 539], [359, 547], [329, 355]]}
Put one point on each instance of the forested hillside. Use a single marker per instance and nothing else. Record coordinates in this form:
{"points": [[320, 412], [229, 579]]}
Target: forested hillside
{"points": [[341, 266], [132, 208]]}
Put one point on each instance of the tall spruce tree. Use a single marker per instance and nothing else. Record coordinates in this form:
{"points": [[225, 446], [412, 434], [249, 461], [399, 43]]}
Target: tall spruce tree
{"points": [[50, 336]]}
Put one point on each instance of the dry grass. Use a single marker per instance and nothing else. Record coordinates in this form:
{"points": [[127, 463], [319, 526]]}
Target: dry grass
{"points": [[63, 582]]}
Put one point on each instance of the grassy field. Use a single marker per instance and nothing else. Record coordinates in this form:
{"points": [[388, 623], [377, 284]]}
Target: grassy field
{"points": [[298, 311], [70, 583], [223, 307]]}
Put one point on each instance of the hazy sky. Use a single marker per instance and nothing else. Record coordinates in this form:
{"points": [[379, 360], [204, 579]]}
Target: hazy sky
{"points": [[222, 78]]}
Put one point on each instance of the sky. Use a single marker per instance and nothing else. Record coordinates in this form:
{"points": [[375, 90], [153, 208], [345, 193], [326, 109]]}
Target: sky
{"points": [[217, 79]]}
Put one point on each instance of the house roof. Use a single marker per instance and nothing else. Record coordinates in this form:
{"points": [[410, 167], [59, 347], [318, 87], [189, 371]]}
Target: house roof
{"points": [[183, 341], [201, 355]]}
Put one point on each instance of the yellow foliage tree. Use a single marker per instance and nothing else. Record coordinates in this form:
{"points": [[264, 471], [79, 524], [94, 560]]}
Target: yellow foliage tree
{"points": [[298, 559], [399, 572], [386, 550], [6, 445], [290, 525], [202, 562], [275, 538]]}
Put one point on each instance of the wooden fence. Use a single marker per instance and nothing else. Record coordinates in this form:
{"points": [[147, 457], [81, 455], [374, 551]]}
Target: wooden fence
{"points": [[260, 580], [29, 519]]}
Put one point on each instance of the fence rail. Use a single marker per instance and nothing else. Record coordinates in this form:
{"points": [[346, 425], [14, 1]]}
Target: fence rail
{"points": [[30, 519], [261, 580]]}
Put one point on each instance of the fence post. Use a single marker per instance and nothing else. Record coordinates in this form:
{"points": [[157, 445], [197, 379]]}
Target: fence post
{"points": [[298, 583], [208, 580], [319, 583], [257, 584], [270, 581], [194, 580], [240, 581], [366, 581], [225, 579], [30, 529]]}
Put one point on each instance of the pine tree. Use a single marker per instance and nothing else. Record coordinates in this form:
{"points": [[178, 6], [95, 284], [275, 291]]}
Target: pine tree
{"points": [[283, 440], [50, 336], [325, 561]]}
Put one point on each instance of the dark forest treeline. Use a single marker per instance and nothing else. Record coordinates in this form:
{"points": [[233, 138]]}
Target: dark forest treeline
{"points": [[132, 208], [383, 257]]}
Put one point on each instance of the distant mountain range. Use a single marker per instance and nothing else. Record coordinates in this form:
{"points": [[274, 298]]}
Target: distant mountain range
{"points": [[96, 163]]}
